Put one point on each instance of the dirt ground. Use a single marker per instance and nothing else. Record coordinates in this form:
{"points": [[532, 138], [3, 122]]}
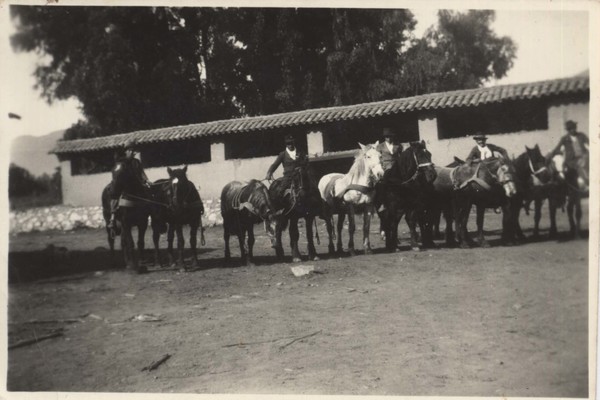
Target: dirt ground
{"points": [[503, 321]]}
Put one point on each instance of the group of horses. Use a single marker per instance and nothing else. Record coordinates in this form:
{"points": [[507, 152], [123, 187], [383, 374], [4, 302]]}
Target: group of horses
{"points": [[413, 188]]}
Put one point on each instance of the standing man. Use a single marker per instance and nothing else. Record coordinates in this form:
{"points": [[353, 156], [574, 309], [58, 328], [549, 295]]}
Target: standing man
{"points": [[388, 149], [485, 150], [128, 160], [575, 146]]}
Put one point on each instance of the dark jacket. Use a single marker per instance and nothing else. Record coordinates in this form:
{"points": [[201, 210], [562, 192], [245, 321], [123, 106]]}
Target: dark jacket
{"points": [[475, 154], [569, 152], [288, 163], [387, 158]]}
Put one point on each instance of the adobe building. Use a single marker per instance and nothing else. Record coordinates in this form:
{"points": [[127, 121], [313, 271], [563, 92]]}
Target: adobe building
{"points": [[513, 116]]}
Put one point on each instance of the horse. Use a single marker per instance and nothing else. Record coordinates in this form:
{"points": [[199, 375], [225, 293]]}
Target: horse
{"points": [[242, 206], [406, 190], [183, 207], [342, 194], [301, 200], [135, 206], [576, 178], [488, 183], [538, 179]]}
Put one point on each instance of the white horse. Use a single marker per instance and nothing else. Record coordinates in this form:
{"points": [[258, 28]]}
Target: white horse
{"points": [[342, 193]]}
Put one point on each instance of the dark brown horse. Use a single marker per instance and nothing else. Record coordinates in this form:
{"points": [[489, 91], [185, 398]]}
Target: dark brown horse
{"points": [[407, 188], [183, 207], [294, 198], [538, 180], [242, 206]]}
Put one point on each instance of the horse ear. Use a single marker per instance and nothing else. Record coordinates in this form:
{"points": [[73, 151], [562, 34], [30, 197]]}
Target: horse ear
{"points": [[537, 146], [170, 171], [362, 146], [376, 143], [185, 169], [423, 143]]}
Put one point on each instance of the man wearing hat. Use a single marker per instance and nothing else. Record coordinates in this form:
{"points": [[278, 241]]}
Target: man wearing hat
{"points": [[388, 149], [127, 160], [576, 146], [485, 150], [290, 158]]}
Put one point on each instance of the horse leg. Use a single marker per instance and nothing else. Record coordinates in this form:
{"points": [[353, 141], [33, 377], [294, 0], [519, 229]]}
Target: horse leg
{"points": [[329, 225], [537, 216], [552, 206], [251, 240], [368, 213], [194, 243], [180, 246], [578, 214], [412, 227], [111, 244], [462, 217], [141, 242], [279, 227], [242, 240], [570, 207], [480, 218], [128, 248], [226, 235], [449, 231], [340, 227], [312, 252], [156, 240], [351, 229], [170, 237], [294, 236]]}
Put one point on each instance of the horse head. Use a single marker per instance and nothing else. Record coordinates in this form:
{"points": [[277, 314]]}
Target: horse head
{"points": [[504, 173], [557, 166], [179, 187], [372, 159], [125, 180], [418, 158], [540, 175], [259, 201]]}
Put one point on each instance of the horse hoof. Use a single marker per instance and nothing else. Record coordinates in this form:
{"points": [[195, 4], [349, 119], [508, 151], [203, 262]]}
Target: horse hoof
{"points": [[368, 252], [352, 253], [486, 245], [415, 248], [142, 270], [296, 260], [316, 258]]}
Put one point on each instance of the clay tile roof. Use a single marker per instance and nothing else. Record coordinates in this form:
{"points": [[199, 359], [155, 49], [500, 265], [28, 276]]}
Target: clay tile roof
{"points": [[579, 84]]}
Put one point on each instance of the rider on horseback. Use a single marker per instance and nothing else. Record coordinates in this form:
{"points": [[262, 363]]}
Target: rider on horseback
{"points": [[127, 160], [485, 150], [575, 144], [291, 158]]}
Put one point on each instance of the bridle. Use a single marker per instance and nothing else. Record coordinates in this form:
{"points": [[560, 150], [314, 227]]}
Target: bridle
{"points": [[419, 167], [534, 173]]}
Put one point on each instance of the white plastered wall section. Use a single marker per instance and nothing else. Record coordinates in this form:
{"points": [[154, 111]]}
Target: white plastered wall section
{"points": [[444, 150]]}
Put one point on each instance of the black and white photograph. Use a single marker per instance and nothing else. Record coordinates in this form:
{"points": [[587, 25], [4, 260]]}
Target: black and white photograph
{"points": [[316, 199]]}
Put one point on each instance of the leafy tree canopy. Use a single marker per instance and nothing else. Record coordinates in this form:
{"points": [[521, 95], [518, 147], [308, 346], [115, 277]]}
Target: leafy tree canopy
{"points": [[138, 68]]}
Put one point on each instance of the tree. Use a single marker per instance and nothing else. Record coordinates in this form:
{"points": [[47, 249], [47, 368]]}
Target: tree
{"points": [[461, 53], [148, 67]]}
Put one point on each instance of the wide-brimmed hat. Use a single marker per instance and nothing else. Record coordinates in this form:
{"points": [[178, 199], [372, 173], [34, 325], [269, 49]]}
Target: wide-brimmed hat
{"points": [[570, 124], [479, 136], [387, 132], [289, 139]]}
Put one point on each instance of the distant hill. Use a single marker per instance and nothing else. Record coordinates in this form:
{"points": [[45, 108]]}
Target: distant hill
{"points": [[31, 153]]}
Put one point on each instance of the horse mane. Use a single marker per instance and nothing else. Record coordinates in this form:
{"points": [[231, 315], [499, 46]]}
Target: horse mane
{"points": [[359, 167]]}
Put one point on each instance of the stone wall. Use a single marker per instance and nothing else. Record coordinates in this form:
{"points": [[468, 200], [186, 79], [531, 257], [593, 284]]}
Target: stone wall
{"points": [[66, 218]]}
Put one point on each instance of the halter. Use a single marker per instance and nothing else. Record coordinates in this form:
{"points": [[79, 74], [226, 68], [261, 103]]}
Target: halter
{"points": [[419, 166], [534, 172], [364, 189]]}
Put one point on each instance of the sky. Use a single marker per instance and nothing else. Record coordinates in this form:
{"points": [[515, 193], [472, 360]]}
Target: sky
{"points": [[551, 44]]}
